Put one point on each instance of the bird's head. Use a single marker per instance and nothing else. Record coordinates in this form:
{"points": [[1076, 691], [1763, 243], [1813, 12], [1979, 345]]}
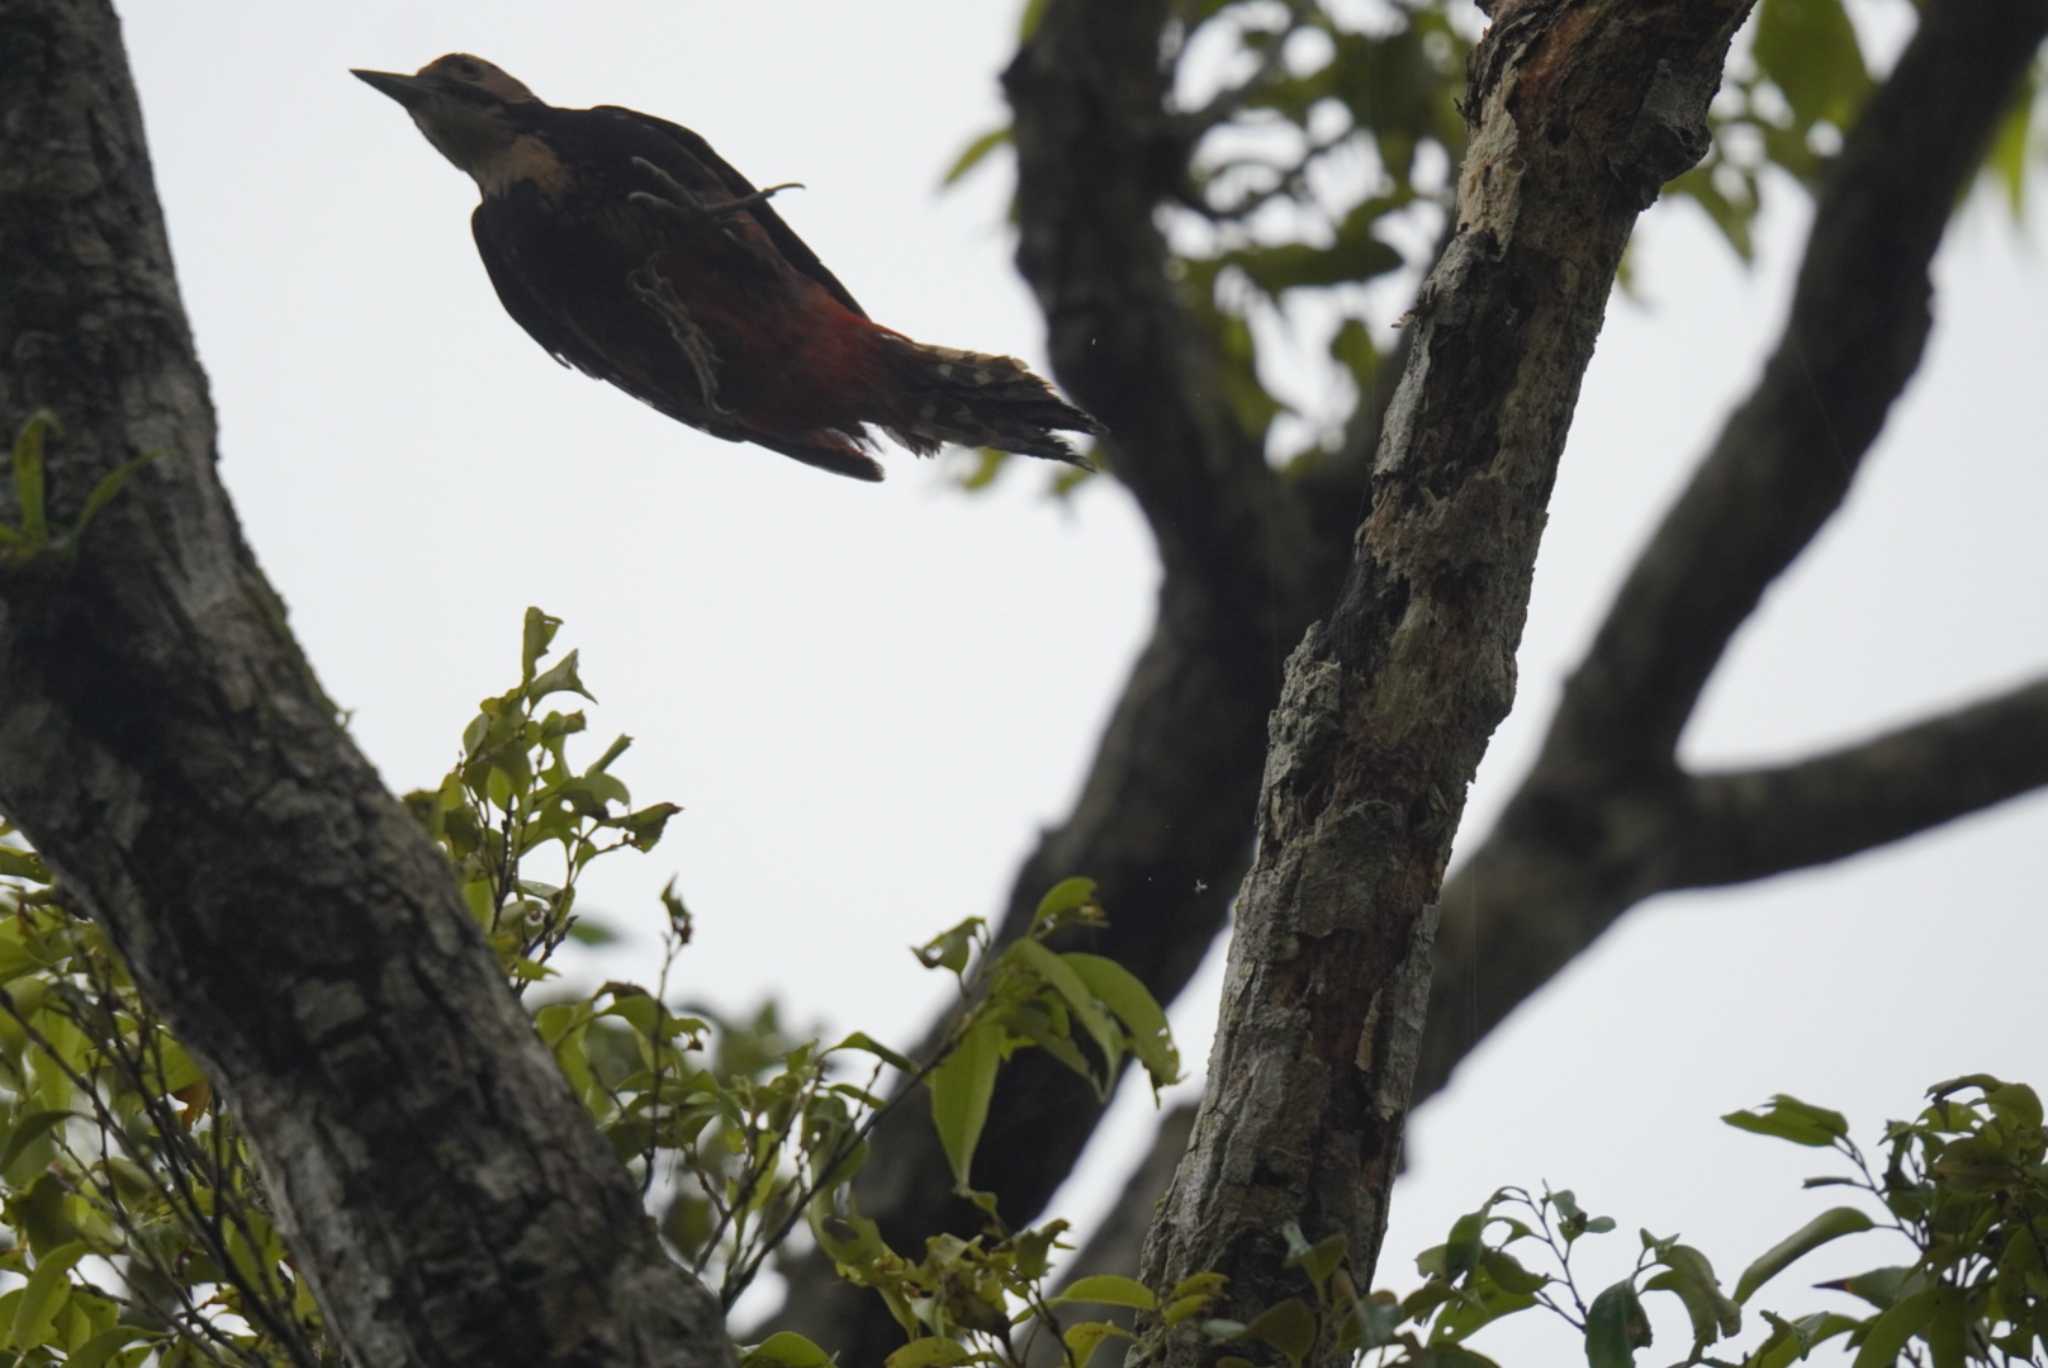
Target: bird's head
{"points": [[467, 108]]}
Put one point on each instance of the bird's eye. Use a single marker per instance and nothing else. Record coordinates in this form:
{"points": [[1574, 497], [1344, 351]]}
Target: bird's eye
{"points": [[468, 70]]}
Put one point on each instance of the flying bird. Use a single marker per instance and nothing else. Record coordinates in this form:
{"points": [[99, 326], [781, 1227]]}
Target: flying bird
{"points": [[630, 250]]}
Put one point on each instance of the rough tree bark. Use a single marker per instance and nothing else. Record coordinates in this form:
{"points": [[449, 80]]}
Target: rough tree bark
{"points": [[170, 754], [1578, 114], [1161, 818], [1607, 817], [1590, 833]]}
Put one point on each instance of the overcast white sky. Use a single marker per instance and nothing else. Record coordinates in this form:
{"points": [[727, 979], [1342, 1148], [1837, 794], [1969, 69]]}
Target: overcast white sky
{"points": [[869, 698]]}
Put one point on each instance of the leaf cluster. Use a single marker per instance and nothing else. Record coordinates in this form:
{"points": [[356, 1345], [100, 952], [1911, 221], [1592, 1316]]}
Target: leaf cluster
{"points": [[514, 794], [1963, 1185], [1318, 146], [128, 1199], [129, 1207], [983, 1300]]}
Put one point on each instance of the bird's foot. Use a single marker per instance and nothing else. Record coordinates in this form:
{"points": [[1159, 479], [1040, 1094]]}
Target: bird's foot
{"points": [[658, 294], [681, 202]]}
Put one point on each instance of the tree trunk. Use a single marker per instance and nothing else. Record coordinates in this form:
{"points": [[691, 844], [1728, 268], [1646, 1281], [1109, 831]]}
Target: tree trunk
{"points": [[1579, 113], [171, 755]]}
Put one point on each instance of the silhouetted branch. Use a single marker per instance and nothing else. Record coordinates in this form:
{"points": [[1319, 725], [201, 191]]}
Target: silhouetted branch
{"points": [[1748, 824]]}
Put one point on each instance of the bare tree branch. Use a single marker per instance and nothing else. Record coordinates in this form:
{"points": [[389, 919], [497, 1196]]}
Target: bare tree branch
{"points": [[1579, 113], [1749, 824], [170, 754], [1097, 152], [1859, 321], [1594, 828]]}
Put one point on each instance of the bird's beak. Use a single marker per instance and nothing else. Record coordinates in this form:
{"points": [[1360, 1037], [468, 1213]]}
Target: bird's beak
{"points": [[407, 90]]}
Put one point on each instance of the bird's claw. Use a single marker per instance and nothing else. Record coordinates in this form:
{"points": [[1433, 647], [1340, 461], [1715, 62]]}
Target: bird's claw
{"points": [[659, 294], [681, 202]]}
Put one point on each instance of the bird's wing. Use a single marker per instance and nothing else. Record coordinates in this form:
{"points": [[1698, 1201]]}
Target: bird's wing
{"points": [[498, 242], [499, 249], [692, 162]]}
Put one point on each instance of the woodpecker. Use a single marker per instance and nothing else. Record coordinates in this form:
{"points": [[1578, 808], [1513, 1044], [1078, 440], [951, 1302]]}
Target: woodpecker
{"points": [[631, 251]]}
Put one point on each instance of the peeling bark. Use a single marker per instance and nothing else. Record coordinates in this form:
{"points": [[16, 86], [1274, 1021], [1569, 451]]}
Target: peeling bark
{"points": [[170, 754]]}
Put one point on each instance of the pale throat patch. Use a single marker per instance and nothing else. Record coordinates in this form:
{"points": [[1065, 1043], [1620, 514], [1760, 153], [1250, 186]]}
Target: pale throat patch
{"points": [[524, 159]]}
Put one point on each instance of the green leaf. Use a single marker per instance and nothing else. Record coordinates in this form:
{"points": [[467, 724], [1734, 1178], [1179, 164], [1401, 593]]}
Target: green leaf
{"points": [[1083, 1339], [971, 155], [1733, 217], [1120, 990], [1507, 1272], [1791, 1340], [1068, 895], [785, 1349], [1061, 977], [2016, 1104], [1107, 1289], [867, 1044], [1616, 1327], [1048, 1030], [1831, 1224], [1881, 1287], [961, 1087], [1946, 1330], [95, 1352], [32, 1126], [1787, 1118], [558, 678], [646, 825], [1700, 1307], [848, 1238], [1889, 1333], [109, 485], [1463, 1245], [47, 1288], [534, 635], [1352, 347], [1479, 1303], [987, 464], [1318, 1260], [1808, 48], [952, 948], [2006, 160], [1191, 1296], [928, 1352], [1289, 1326], [1298, 265], [28, 475], [179, 1070]]}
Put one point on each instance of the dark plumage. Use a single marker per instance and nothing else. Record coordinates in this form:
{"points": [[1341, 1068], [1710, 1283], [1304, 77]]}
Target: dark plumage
{"points": [[630, 250]]}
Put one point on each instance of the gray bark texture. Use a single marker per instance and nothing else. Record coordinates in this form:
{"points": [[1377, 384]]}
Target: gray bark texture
{"points": [[1251, 556], [171, 755], [1578, 113], [1607, 817]]}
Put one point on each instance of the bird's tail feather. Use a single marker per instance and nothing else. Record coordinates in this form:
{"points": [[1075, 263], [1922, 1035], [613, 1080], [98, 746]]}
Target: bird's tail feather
{"points": [[978, 400]]}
